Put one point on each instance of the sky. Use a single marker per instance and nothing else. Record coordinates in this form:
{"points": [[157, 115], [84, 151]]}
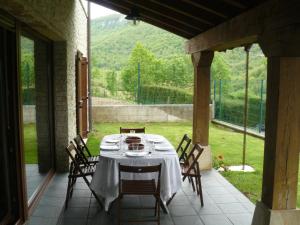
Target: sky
{"points": [[99, 11]]}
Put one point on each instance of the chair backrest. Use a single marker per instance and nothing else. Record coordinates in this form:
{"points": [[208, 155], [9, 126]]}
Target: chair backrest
{"points": [[140, 169], [132, 130], [192, 159], [76, 163], [72, 151], [81, 145], [183, 146]]}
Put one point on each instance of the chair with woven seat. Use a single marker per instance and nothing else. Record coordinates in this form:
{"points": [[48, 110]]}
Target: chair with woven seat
{"points": [[84, 152], [132, 130], [77, 170], [190, 169], [183, 147], [140, 187]]}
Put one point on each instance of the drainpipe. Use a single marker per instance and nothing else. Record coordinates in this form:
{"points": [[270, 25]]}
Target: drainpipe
{"points": [[89, 65]]}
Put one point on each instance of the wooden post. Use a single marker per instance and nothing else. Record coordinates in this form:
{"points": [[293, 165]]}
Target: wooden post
{"points": [[201, 114], [282, 142]]}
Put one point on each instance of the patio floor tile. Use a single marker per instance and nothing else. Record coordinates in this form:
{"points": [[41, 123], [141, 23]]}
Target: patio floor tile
{"points": [[187, 220], [223, 205], [215, 220]]}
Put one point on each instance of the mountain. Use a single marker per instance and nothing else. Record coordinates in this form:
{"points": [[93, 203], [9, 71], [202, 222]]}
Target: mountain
{"points": [[113, 38]]}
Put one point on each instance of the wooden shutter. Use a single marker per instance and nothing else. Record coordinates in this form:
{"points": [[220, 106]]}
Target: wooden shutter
{"points": [[82, 95]]}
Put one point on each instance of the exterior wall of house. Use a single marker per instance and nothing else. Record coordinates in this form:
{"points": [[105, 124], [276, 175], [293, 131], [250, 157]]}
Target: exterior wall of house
{"points": [[65, 23]]}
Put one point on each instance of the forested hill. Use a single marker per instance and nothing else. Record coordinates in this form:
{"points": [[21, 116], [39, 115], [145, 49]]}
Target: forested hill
{"points": [[113, 38]]}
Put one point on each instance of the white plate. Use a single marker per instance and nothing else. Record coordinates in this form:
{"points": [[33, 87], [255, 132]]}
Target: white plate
{"points": [[163, 148], [109, 147], [155, 140], [136, 154], [112, 141]]}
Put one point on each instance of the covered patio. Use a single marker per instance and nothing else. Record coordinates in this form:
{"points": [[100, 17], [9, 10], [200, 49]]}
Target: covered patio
{"points": [[209, 26]]}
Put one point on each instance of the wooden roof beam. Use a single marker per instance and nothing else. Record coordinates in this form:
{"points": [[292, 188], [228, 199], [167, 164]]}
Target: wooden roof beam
{"points": [[173, 28], [184, 11], [235, 3], [170, 15], [201, 5], [247, 27]]}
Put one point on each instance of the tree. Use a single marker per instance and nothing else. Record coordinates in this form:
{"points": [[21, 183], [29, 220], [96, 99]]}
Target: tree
{"points": [[111, 80], [150, 69]]}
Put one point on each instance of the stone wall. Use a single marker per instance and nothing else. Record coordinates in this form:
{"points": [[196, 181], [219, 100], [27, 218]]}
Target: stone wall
{"points": [[65, 23], [143, 113]]}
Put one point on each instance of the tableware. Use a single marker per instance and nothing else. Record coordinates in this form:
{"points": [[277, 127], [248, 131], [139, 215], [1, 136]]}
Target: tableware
{"points": [[112, 141], [155, 140], [136, 153], [110, 147], [162, 148], [136, 147], [132, 139]]}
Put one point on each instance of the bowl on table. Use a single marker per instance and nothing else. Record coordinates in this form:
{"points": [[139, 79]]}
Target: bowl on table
{"points": [[133, 139]]}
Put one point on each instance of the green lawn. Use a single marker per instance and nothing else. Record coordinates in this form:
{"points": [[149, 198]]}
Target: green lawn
{"points": [[223, 142], [30, 143]]}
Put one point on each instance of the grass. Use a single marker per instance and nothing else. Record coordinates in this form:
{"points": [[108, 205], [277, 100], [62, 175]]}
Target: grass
{"points": [[30, 143], [223, 142]]}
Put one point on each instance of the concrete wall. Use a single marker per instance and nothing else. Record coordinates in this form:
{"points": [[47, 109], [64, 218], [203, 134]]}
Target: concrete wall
{"points": [[65, 23], [142, 113]]}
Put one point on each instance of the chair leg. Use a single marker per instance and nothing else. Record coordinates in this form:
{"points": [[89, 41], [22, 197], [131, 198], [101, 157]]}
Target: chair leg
{"points": [[158, 211], [197, 185], [193, 185], [200, 191], [156, 205], [169, 201], [97, 198], [119, 210], [68, 192]]}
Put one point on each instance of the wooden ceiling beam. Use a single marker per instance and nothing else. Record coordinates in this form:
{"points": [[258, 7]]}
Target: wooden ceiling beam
{"points": [[247, 27], [173, 28], [156, 10], [208, 9], [235, 3], [183, 10]]}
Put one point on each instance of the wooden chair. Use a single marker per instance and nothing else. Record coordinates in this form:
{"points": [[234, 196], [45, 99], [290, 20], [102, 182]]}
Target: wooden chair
{"points": [[132, 130], [190, 169], [84, 152], [183, 147], [140, 187], [77, 169]]}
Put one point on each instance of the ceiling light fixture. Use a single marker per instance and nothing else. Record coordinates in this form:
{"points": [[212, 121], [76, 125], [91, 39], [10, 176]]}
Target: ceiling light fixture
{"points": [[134, 16]]}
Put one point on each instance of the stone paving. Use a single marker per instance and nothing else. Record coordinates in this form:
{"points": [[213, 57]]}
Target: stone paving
{"points": [[223, 205]]}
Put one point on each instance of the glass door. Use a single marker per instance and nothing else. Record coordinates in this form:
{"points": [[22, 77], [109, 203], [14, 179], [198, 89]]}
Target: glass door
{"points": [[36, 107], [10, 197]]}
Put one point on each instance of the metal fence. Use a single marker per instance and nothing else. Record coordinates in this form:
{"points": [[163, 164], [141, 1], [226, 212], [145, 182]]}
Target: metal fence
{"points": [[228, 97]]}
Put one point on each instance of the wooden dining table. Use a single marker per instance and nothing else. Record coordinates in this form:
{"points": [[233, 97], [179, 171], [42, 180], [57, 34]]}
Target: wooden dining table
{"points": [[114, 151]]}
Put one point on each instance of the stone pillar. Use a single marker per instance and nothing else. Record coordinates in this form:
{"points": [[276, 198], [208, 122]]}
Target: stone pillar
{"points": [[282, 142], [61, 104], [41, 65], [201, 112]]}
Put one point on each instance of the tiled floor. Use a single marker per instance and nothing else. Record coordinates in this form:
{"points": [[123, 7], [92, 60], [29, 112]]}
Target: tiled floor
{"points": [[223, 205]]}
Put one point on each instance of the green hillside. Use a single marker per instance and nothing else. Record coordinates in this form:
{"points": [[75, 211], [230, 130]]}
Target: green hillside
{"points": [[113, 38]]}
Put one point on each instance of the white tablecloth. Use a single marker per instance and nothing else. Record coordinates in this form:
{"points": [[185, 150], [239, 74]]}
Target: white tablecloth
{"points": [[105, 180]]}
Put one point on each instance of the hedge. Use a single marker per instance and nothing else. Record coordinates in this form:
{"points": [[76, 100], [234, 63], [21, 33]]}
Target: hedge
{"points": [[164, 95]]}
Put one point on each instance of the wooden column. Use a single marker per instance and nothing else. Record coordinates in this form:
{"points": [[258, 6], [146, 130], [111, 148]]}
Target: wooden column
{"points": [[282, 142], [201, 114]]}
